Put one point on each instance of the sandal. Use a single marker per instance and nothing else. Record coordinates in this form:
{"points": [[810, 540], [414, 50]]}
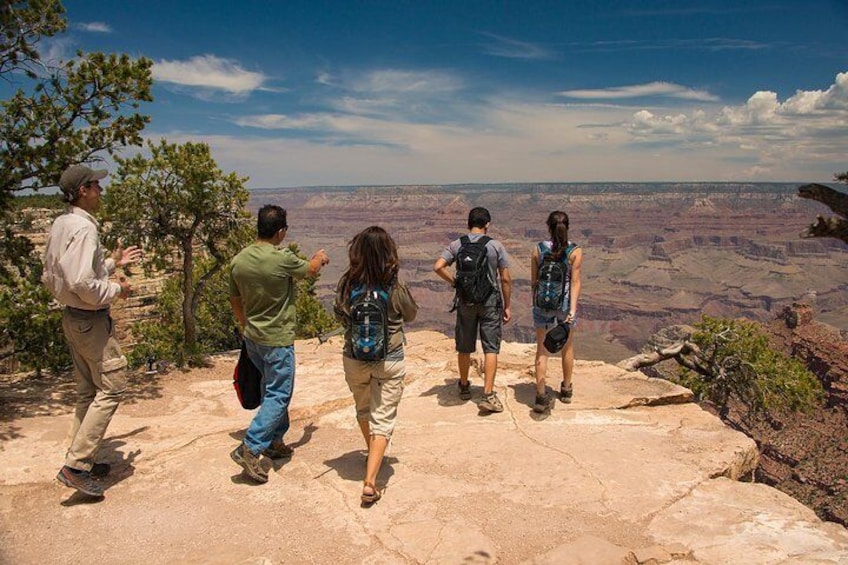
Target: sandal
{"points": [[369, 498]]}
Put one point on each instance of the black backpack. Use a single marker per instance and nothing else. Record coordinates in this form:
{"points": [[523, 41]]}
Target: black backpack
{"points": [[554, 279], [369, 323], [473, 280]]}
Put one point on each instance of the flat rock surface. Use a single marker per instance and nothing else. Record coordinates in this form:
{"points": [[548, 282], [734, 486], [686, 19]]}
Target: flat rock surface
{"points": [[630, 472]]}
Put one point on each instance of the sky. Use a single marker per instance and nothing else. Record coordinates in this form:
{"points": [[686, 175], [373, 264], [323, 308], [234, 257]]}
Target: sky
{"points": [[319, 93]]}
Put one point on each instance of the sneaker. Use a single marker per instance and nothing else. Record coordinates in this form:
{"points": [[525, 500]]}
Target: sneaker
{"points": [[250, 463], [491, 403], [278, 450], [80, 480], [565, 394], [100, 470], [542, 403], [464, 391]]}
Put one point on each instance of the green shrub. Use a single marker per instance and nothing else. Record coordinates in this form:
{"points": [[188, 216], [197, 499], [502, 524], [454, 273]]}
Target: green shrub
{"points": [[736, 360]]}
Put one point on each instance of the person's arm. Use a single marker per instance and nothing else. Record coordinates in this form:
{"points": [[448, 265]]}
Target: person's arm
{"points": [[577, 260], [506, 292], [340, 310], [534, 271], [441, 269], [238, 310], [403, 302], [121, 257], [77, 267], [318, 261]]}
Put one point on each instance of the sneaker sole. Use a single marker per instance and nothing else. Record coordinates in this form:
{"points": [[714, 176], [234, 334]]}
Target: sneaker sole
{"points": [[65, 481], [236, 456]]}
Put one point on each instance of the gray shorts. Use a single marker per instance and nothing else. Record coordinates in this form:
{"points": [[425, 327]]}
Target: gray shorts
{"points": [[487, 319]]}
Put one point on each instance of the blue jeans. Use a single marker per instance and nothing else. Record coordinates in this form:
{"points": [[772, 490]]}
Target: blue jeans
{"points": [[272, 421]]}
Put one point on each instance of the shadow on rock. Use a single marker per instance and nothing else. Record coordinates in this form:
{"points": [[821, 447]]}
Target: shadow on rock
{"points": [[78, 498], [351, 467], [525, 393], [28, 395], [448, 393], [122, 464]]}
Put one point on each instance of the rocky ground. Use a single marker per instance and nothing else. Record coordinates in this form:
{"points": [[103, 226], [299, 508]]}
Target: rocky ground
{"points": [[631, 472], [803, 454]]}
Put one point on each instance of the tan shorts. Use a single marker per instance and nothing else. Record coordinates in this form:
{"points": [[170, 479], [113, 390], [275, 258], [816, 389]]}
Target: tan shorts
{"points": [[377, 389]]}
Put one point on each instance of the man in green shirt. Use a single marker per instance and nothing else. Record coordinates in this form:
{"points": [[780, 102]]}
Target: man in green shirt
{"points": [[262, 295]]}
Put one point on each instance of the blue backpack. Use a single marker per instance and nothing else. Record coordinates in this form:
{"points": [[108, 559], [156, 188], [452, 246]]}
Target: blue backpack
{"points": [[554, 278], [369, 323]]}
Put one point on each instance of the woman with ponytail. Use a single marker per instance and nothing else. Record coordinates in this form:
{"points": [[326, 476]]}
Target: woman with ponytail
{"points": [[558, 250]]}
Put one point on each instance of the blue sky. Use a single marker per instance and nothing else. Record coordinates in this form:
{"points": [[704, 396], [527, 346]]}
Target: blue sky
{"points": [[296, 93]]}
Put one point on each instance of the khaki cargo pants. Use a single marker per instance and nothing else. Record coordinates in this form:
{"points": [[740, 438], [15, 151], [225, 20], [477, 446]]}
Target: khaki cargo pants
{"points": [[100, 373]]}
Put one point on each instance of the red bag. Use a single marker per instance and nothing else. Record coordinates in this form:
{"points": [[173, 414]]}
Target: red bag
{"points": [[247, 380]]}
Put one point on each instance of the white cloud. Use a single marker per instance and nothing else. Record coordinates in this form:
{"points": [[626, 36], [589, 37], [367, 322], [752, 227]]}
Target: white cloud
{"points": [[372, 136], [514, 49], [95, 27], [666, 89], [805, 130], [209, 72], [406, 82]]}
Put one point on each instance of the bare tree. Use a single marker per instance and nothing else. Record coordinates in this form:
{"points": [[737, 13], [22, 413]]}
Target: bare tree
{"points": [[833, 199]]}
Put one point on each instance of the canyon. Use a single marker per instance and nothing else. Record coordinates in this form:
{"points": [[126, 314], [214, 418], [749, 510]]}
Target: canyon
{"points": [[654, 254]]}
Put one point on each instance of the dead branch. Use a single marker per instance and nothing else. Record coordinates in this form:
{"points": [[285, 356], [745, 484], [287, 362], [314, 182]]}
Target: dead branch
{"points": [[833, 199], [653, 357], [837, 201], [827, 227]]}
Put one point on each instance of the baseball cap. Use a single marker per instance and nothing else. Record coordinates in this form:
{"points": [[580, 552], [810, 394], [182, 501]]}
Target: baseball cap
{"points": [[77, 175]]}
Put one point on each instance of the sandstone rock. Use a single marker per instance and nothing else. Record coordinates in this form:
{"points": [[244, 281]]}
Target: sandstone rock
{"points": [[606, 479]]}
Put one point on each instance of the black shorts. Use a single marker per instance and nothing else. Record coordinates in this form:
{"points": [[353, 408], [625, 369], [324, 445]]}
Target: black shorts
{"points": [[487, 319]]}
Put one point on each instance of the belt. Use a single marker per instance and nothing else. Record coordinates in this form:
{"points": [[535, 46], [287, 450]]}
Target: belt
{"points": [[84, 311]]}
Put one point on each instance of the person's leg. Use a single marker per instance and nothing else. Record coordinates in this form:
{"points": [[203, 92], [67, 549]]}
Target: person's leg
{"points": [[466, 340], [100, 360], [490, 369], [541, 361], [277, 365], [491, 329], [365, 428], [568, 361], [376, 452], [358, 378], [464, 362], [386, 392], [85, 390]]}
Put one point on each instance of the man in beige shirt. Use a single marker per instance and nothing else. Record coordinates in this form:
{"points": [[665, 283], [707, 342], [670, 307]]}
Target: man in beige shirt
{"points": [[76, 271]]}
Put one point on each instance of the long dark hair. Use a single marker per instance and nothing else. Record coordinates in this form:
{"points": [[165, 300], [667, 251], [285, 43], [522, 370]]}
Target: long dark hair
{"points": [[558, 228], [373, 260]]}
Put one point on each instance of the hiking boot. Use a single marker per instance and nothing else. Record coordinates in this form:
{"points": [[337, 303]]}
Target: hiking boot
{"points": [[100, 470], [542, 403], [80, 480], [464, 391], [491, 403], [565, 394], [250, 463], [278, 450]]}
